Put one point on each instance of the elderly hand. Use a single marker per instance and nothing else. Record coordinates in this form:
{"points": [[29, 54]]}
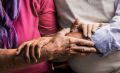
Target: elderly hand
{"points": [[81, 49], [55, 47], [76, 32], [87, 29], [60, 45], [32, 49]]}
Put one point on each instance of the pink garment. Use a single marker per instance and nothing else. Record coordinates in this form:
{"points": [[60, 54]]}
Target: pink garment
{"points": [[32, 13], [43, 67]]}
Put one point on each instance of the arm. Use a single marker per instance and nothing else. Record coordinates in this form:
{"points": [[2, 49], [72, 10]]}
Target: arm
{"points": [[47, 22], [107, 38], [9, 60]]}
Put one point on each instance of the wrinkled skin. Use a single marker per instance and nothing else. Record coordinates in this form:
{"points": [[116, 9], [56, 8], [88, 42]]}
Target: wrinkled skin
{"points": [[49, 48], [87, 29], [54, 47], [71, 47]]}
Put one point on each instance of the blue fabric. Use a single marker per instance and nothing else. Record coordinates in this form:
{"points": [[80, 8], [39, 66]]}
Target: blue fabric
{"points": [[9, 10], [107, 38]]}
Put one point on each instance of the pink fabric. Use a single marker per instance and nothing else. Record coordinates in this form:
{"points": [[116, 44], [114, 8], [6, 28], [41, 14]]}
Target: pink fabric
{"points": [[32, 13], [37, 68]]}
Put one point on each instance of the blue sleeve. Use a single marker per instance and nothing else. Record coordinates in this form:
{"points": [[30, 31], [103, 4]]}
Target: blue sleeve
{"points": [[107, 38]]}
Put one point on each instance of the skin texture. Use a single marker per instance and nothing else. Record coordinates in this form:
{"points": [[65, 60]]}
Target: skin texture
{"points": [[9, 60], [58, 46], [50, 48], [87, 29]]}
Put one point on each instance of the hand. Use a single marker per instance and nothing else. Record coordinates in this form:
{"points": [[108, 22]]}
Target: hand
{"points": [[32, 49], [80, 50], [87, 29], [59, 46]]}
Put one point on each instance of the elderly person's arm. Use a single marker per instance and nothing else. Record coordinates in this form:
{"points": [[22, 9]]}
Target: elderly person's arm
{"points": [[55, 49], [9, 59], [107, 38]]}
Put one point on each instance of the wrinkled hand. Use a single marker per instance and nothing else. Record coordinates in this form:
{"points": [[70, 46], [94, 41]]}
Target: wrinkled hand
{"points": [[87, 29], [32, 49], [60, 45], [76, 32], [80, 49]]}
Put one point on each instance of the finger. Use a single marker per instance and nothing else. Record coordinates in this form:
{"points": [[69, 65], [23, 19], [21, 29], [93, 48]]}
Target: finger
{"points": [[95, 26], [27, 56], [20, 49], [64, 31], [89, 30], [84, 27], [73, 52], [37, 45], [38, 51], [84, 54], [32, 53], [84, 49], [80, 41], [40, 44]]}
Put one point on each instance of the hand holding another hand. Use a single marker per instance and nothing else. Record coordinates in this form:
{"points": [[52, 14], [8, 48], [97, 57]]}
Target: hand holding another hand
{"points": [[87, 29], [60, 45], [31, 50]]}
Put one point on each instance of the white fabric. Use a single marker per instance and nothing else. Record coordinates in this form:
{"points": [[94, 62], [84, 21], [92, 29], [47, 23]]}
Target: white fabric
{"points": [[95, 63], [88, 11]]}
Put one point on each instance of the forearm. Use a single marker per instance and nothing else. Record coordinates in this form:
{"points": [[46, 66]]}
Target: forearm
{"points": [[9, 60]]}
